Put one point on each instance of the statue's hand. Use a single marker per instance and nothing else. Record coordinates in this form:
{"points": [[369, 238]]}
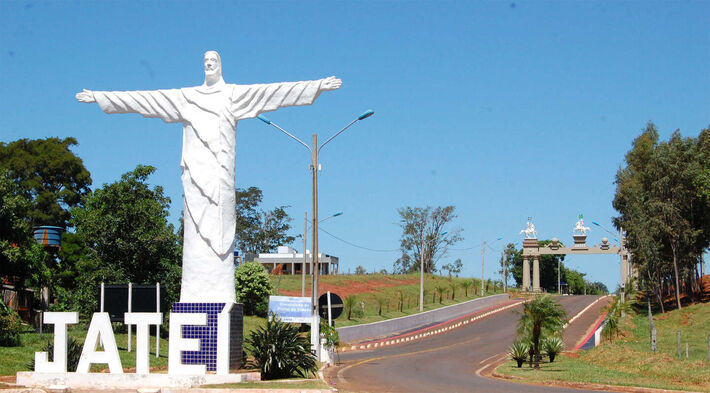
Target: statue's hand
{"points": [[85, 96], [331, 83]]}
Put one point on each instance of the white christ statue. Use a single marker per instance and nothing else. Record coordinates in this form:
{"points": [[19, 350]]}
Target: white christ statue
{"points": [[209, 114]]}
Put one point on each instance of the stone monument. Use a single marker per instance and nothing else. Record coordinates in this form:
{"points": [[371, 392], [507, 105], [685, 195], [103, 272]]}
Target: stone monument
{"points": [[209, 114], [530, 242], [579, 233]]}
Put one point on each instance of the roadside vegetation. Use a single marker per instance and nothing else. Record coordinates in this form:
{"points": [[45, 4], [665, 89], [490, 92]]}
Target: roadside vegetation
{"points": [[377, 297], [625, 357]]}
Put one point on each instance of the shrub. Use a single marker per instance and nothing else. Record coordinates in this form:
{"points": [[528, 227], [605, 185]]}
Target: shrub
{"points": [[279, 351], [553, 346], [10, 327], [73, 354], [253, 288], [332, 338], [519, 352]]}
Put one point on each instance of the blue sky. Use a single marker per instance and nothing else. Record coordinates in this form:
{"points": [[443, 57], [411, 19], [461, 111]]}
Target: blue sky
{"points": [[503, 109]]}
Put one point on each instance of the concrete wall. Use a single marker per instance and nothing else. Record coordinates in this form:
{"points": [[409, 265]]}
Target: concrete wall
{"points": [[390, 327]]}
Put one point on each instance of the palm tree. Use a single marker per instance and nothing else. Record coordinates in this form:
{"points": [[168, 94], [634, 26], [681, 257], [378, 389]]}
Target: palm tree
{"points": [[453, 287], [350, 304], [440, 289], [465, 285], [380, 303], [541, 315]]}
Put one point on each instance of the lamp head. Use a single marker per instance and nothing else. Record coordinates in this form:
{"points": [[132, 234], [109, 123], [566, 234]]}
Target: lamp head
{"points": [[366, 114], [264, 119]]}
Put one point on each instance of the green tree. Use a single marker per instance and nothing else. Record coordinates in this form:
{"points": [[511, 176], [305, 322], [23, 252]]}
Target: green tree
{"points": [[253, 288], [542, 316], [453, 268], [423, 233], [122, 235], [359, 270], [513, 261], [258, 230], [662, 198], [49, 174], [22, 260]]}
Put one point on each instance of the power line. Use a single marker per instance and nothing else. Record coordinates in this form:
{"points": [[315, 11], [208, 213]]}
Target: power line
{"points": [[355, 245]]}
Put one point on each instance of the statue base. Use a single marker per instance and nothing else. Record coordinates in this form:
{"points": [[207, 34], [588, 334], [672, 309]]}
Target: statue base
{"points": [[207, 334], [580, 242]]}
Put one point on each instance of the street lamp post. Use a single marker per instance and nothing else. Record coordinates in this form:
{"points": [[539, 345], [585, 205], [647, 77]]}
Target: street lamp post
{"points": [[315, 149], [483, 259], [421, 272], [303, 268], [305, 259]]}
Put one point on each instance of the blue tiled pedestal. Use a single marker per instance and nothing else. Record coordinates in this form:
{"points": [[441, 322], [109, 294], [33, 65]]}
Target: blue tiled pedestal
{"points": [[207, 335]]}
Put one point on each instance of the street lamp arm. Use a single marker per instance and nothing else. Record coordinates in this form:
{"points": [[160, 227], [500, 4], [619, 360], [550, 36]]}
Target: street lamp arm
{"points": [[336, 134], [365, 115], [269, 122]]}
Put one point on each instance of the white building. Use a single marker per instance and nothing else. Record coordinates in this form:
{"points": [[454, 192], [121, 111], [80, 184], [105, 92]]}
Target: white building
{"points": [[292, 261]]}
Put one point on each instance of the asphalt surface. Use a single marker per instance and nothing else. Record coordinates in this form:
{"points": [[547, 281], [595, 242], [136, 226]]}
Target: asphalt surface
{"points": [[453, 361]]}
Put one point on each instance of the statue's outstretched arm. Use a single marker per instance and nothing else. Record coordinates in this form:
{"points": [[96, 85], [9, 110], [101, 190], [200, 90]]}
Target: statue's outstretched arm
{"points": [[164, 104], [331, 83], [86, 96]]}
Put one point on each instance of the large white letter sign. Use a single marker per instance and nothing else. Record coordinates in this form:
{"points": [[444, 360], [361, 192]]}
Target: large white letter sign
{"points": [[100, 329], [143, 320], [178, 343], [60, 320], [223, 346]]}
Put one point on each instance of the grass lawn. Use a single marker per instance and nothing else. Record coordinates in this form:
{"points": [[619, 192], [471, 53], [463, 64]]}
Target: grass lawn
{"points": [[14, 359], [385, 295], [629, 361]]}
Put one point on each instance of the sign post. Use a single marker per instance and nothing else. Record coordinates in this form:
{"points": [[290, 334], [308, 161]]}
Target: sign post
{"points": [[330, 306]]}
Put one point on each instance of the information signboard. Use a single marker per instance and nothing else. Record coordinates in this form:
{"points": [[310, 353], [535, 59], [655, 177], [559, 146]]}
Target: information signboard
{"points": [[291, 309]]}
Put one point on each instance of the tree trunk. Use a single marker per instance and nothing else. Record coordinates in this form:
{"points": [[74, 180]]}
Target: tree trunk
{"points": [[675, 269], [652, 326], [536, 346], [659, 292]]}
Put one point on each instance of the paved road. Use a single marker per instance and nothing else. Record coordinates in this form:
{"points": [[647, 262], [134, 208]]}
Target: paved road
{"points": [[448, 362]]}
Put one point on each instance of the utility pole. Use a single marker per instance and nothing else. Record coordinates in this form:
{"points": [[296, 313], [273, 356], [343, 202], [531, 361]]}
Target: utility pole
{"points": [[315, 325], [483, 258], [421, 275], [505, 272], [305, 258]]}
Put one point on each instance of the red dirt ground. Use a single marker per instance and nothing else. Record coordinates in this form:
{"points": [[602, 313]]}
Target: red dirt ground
{"points": [[354, 287], [669, 301]]}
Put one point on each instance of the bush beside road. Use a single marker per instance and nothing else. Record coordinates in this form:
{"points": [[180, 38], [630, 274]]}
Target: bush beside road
{"points": [[629, 361]]}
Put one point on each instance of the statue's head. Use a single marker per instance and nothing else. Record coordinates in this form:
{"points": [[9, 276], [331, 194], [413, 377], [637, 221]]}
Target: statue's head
{"points": [[213, 66]]}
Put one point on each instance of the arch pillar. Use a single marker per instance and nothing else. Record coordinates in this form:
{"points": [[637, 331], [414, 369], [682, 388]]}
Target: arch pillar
{"points": [[526, 273], [536, 274]]}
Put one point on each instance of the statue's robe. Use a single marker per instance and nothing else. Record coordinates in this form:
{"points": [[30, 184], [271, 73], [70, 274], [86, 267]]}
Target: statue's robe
{"points": [[209, 116]]}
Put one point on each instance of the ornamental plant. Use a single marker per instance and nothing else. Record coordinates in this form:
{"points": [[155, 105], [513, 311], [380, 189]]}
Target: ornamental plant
{"points": [[519, 352], [553, 346], [279, 351]]}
